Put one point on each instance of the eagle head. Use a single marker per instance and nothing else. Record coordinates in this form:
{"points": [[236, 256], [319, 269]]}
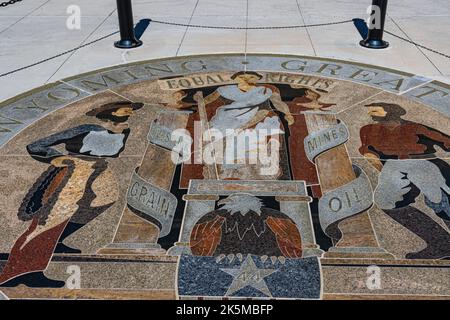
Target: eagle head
{"points": [[242, 203]]}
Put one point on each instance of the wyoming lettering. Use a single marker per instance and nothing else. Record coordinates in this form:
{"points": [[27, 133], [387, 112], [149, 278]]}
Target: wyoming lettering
{"points": [[225, 310]]}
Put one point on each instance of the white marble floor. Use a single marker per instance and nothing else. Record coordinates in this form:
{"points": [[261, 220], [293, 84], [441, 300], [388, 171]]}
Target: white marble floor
{"points": [[33, 30]]}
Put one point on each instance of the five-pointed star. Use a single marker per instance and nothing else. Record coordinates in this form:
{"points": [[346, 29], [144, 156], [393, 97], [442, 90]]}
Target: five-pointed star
{"points": [[249, 275]]}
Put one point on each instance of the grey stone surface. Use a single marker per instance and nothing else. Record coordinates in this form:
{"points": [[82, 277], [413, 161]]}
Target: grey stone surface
{"points": [[424, 21], [290, 278], [397, 177], [435, 95], [192, 214], [21, 112], [118, 275], [259, 188], [346, 201], [394, 280], [102, 143], [155, 202], [320, 141], [384, 79], [300, 213], [249, 275], [161, 136]]}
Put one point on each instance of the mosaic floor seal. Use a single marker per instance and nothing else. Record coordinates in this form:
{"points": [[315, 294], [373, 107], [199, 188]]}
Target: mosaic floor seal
{"points": [[138, 181]]}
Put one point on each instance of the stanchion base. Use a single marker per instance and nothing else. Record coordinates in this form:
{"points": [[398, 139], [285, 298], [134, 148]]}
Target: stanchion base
{"points": [[374, 44], [128, 44]]}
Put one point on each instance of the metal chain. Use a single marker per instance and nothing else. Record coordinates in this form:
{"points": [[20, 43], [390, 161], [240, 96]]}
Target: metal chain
{"points": [[59, 55], [160, 22], [212, 27], [7, 3], [418, 45], [250, 28], [291, 27]]}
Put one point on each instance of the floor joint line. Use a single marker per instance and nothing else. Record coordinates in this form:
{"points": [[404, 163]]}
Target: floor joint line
{"points": [[25, 16], [246, 37], [81, 43], [306, 28], [187, 29], [418, 48]]}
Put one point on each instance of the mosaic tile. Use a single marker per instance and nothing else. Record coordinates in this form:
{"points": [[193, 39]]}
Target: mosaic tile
{"points": [[250, 277], [99, 194]]}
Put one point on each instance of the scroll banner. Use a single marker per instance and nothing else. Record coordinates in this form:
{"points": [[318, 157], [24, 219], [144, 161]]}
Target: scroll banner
{"points": [[156, 203], [320, 141], [161, 136], [200, 81], [346, 201]]}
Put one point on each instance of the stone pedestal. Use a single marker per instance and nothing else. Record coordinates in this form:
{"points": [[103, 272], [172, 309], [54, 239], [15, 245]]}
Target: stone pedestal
{"points": [[151, 207], [297, 207], [196, 207], [292, 196]]}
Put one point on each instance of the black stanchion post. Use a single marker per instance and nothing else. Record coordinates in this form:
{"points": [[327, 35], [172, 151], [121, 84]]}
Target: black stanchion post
{"points": [[127, 37], [376, 29]]}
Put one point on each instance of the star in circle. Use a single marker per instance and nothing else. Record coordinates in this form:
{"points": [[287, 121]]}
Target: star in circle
{"points": [[249, 275]]}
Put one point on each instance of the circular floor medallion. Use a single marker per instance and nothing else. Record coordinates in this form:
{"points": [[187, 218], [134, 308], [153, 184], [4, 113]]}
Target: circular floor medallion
{"points": [[227, 176]]}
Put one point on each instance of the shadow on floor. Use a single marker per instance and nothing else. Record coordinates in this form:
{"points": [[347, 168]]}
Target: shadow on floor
{"points": [[141, 27], [361, 26]]}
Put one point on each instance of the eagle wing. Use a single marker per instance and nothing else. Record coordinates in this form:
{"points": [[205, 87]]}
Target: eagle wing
{"points": [[287, 235], [205, 237]]}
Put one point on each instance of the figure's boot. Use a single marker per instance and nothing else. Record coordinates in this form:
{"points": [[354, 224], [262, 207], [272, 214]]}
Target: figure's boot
{"points": [[28, 257], [33, 280], [73, 227], [70, 229], [61, 248]]}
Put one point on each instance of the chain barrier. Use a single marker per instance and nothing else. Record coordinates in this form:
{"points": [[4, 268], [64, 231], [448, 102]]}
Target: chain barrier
{"points": [[59, 55], [166, 23], [215, 27], [418, 45], [7, 3], [251, 28]]}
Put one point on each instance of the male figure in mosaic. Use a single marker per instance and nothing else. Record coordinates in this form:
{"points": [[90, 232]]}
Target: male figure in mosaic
{"points": [[404, 153], [63, 199]]}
